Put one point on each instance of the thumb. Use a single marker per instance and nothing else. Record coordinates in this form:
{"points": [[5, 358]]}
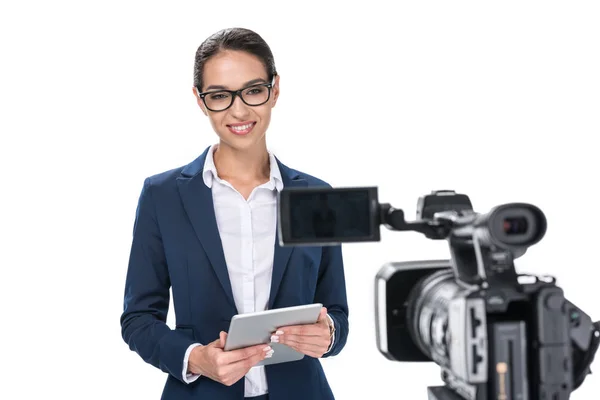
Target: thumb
{"points": [[322, 315], [222, 339], [220, 342]]}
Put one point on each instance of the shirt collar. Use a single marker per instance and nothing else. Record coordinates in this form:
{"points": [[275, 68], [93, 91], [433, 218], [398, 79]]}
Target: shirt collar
{"points": [[209, 173]]}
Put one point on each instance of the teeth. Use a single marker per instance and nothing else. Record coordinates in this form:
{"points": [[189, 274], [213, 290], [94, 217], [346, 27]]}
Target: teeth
{"points": [[241, 127]]}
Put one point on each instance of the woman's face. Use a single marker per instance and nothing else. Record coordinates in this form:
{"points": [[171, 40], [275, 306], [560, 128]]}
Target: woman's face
{"points": [[240, 126]]}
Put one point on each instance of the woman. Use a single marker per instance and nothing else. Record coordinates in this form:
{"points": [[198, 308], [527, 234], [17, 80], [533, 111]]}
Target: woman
{"points": [[207, 230]]}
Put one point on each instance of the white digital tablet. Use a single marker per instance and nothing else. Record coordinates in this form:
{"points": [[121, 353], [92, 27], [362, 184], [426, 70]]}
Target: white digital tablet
{"points": [[256, 328]]}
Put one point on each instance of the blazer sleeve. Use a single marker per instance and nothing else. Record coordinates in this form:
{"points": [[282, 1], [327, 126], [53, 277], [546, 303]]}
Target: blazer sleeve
{"points": [[146, 300], [331, 292]]}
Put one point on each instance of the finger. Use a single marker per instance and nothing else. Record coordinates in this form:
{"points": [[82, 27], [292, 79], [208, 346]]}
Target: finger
{"points": [[222, 339], [216, 343], [234, 356], [301, 330], [304, 344], [316, 353], [308, 349], [245, 364], [322, 315]]}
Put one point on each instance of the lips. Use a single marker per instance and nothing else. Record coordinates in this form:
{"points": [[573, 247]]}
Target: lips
{"points": [[243, 128]]}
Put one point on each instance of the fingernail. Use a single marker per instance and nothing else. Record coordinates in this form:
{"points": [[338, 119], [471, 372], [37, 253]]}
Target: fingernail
{"points": [[275, 339], [279, 333], [270, 354], [267, 349]]}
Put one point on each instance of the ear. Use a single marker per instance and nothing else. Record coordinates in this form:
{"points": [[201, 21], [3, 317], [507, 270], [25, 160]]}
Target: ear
{"points": [[199, 101], [275, 90]]}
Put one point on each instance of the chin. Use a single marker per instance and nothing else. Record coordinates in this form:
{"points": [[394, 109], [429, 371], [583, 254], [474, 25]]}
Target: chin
{"points": [[242, 142]]}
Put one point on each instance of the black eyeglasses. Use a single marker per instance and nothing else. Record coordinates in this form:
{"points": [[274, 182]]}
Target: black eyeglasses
{"points": [[221, 100]]}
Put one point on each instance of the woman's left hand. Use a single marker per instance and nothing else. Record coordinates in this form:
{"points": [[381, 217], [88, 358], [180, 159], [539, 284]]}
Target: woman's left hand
{"points": [[312, 339]]}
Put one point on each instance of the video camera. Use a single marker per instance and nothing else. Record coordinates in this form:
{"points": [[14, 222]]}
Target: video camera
{"points": [[495, 334]]}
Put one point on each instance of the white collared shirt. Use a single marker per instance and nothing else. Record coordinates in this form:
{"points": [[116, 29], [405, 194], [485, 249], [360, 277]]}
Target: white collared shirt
{"points": [[248, 232]]}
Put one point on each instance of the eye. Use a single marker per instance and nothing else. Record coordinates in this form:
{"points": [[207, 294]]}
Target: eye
{"points": [[255, 90], [218, 96]]}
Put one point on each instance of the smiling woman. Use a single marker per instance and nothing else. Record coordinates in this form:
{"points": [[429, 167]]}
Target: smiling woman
{"points": [[224, 74], [207, 230]]}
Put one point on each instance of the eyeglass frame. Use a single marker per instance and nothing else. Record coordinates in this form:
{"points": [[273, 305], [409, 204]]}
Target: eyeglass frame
{"points": [[237, 93]]}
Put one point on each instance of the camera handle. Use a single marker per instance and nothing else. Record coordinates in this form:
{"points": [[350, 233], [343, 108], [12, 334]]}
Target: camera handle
{"points": [[393, 219]]}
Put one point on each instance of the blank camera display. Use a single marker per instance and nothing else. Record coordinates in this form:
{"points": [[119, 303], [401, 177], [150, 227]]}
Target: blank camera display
{"points": [[343, 214]]}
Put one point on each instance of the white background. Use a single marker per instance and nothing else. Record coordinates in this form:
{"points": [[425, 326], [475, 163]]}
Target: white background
{"points": [[499, 100]]}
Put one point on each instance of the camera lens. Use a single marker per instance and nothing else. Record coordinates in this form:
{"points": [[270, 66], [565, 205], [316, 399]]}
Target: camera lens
{"points": [[515, 226], [428, 314]]}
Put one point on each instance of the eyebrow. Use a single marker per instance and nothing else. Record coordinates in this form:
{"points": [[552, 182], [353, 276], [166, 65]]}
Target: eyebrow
{"points": [[249, 83]]}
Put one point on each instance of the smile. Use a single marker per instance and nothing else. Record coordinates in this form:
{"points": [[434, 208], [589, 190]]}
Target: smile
{"points": [[242, 129]]}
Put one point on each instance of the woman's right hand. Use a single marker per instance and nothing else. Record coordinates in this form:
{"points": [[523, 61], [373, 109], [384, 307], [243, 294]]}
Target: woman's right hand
{"points": [[226, 367]]}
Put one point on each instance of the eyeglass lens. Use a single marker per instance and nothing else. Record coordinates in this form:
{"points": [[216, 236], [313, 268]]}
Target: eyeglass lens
{"points": [[253, 96]]}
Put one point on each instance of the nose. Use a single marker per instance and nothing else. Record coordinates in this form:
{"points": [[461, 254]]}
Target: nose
{"points": [[239, 109]]}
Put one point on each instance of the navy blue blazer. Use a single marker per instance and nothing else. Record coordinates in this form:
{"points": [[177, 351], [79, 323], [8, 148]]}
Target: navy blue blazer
{"points": [[176, 245]]}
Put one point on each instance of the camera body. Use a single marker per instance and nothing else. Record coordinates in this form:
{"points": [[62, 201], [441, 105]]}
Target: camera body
{"points": [[530, 343], [494, 333]]}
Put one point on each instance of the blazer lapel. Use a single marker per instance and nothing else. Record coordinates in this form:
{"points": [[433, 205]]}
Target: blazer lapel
{"points": [[198, 204], [282, 255]]}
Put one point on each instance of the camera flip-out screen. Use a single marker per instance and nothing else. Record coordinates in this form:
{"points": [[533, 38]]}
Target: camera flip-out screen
{"points": [[325, 216]]}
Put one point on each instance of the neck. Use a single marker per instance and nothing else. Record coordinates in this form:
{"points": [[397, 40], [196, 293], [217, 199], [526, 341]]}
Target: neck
{"points": [[247, 165]]}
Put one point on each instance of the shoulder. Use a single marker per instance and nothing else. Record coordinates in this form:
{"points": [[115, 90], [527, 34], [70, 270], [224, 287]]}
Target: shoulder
{"points": [[160, 186], [164, 178], [312, 180], [167, 180]]}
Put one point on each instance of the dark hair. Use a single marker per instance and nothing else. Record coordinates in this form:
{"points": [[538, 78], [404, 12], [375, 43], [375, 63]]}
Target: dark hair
{"points": [[233, 39]]}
